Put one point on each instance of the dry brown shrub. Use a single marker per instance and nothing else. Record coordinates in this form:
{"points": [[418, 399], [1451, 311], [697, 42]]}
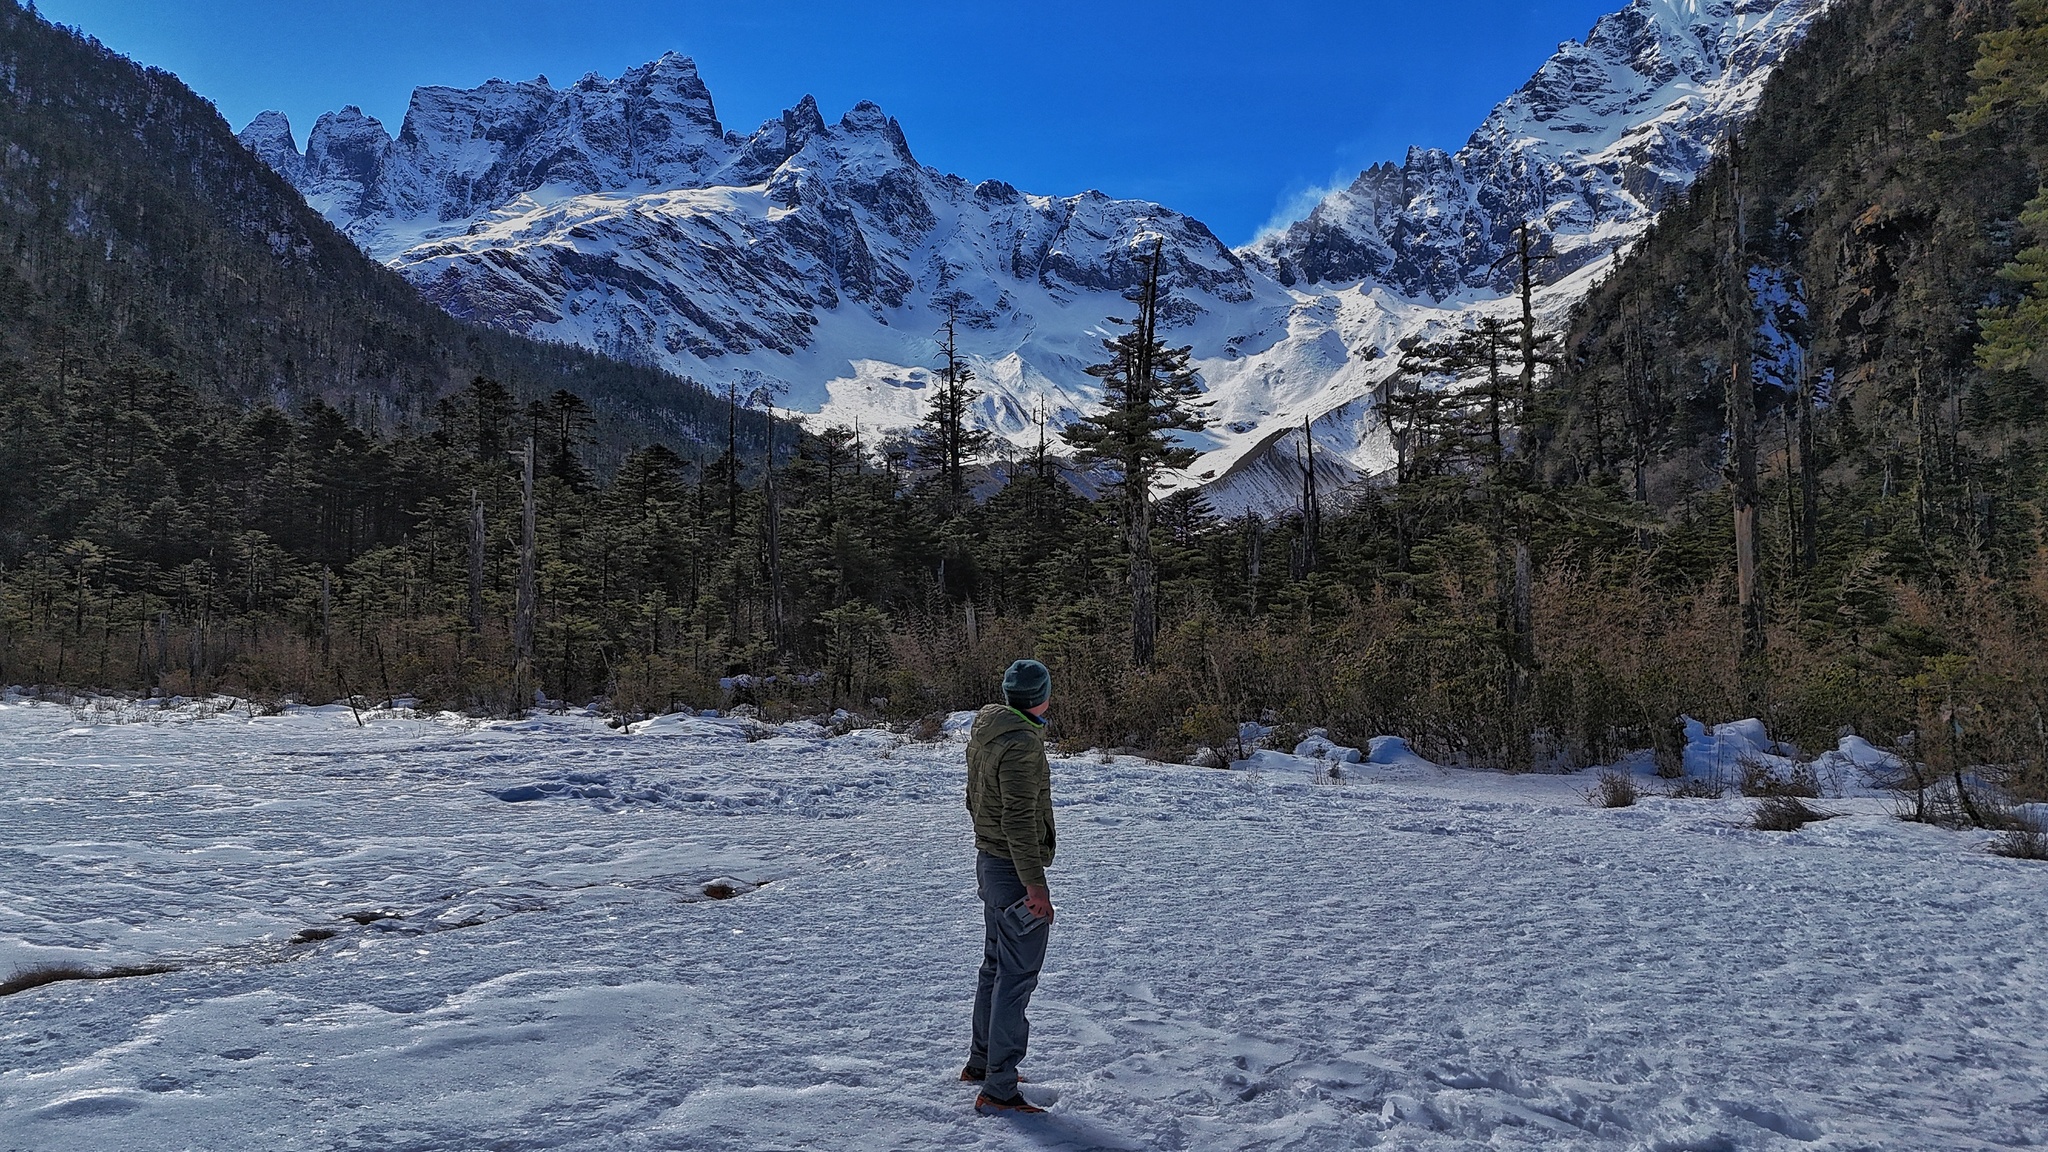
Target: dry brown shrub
{"points": [[1697, 788], [1615, 790], [2021, 844], [1760, 778], [1785, 814], [935, 667], [656, 685]]}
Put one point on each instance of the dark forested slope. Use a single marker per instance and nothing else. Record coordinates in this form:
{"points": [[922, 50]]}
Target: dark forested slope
{"points": [[1873, 232], [1814, 374]]}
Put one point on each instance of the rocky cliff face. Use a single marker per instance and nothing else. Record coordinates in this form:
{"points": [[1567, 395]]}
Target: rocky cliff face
{"points": [[819, 258]]}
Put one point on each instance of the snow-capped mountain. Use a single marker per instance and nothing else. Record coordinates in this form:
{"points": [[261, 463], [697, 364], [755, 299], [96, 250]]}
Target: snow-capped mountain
{"points": [[1605, 133], [1589, 149], [820, 259]]}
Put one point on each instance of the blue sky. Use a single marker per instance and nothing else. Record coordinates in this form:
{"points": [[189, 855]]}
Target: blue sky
{"points": [[1233, 112]]}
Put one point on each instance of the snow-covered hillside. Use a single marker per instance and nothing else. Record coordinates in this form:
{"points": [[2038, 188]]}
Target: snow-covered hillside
{"points": [[430, 934], [821, 258]]}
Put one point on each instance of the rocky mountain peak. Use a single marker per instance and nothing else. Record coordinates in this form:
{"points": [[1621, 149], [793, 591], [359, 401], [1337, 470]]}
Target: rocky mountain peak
{"points": [[1604, 132], [269, 136], [867, 119], [345, 154]]}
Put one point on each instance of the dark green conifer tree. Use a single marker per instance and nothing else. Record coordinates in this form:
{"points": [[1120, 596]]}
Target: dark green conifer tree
{"points": [[947, 435], [1146, 387]]}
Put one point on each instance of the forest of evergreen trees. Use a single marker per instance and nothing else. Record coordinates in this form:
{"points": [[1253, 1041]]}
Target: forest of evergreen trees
{"points": [[1553, 576]]}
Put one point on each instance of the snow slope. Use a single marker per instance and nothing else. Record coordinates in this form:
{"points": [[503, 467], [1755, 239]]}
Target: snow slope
{"points": [[1405, 958], [821, 258]]}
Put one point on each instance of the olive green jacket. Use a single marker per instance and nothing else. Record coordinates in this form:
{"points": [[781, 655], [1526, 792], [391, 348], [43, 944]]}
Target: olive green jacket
{"points": [[1009, 790]]}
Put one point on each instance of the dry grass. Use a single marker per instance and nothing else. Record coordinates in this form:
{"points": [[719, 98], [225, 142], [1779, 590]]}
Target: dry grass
{"points": [[1615, 790], [2023, 835], [1780, 813], [1760, 778], [2021, 844], [1697, 788]]}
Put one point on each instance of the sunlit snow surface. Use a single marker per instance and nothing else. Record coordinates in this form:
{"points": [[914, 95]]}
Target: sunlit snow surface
{"points": [[1405, 958]]}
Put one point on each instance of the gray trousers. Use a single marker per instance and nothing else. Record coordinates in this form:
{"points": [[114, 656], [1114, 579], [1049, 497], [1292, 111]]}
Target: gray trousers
{"points": [[1010, 961]]}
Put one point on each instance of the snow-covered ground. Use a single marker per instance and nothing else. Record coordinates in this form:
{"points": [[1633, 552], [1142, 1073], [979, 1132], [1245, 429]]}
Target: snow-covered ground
{"points": [[1405, 957]]}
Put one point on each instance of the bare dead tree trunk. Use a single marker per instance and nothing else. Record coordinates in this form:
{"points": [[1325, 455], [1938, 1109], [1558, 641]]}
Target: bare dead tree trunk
{"points": [[476, 564], [525, 606], [1522, 630], [1528, 334], [1144, 580], [771, 531], [1521, 637], [1254, 545], [732, 462], [1311, 503], [1923, 440], [1809, 484], [1792, 532], [1741, 468], [951, 427]]}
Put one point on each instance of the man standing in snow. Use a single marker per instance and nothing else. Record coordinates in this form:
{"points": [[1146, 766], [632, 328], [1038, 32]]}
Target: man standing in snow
{"points": [[1009, 793]]}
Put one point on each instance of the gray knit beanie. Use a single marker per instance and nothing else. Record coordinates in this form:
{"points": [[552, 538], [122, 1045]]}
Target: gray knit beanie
{"points": [[1027, 684]]}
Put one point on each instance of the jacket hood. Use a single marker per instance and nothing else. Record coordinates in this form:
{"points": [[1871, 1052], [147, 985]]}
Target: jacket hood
{"points": [[1001, 720]]}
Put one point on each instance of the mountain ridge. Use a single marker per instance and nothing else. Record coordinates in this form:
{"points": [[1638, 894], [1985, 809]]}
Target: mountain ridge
{"points": [[817, 259]]}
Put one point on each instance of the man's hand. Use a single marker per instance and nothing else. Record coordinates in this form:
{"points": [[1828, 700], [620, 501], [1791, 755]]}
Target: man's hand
{"points": [[1038, 898]]}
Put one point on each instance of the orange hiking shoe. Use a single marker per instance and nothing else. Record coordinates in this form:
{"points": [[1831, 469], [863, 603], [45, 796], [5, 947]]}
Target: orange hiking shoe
{"points": [[989, 1105]]}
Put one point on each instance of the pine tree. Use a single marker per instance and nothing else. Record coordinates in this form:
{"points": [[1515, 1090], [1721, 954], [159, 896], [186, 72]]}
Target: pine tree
{"points": [[2012, 78], [568, 430], [946, 434], [1146, 387]]}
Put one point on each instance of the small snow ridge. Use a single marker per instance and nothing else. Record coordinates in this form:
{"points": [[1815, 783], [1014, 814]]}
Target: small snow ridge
{"points": [[36, 976], [89, 1104], [1783, 1123], [699, 724], [574, 786]]}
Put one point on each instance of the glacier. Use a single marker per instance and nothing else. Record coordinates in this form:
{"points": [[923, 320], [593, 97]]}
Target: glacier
{"points": [[818, 260]]}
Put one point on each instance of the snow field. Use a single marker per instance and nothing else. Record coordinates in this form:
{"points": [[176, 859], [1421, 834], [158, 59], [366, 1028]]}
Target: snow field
{"points": [[524, 954]]}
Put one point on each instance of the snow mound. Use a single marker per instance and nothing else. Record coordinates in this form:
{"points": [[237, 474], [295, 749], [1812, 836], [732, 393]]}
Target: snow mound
{"points": [[1726, 753], [701, 725], [1856, 766], [1719, 753], [1393, 753], [1318, 745]]}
